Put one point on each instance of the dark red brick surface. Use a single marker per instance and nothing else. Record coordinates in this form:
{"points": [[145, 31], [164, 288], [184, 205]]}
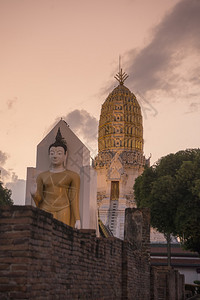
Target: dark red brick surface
{"points": [[42, 258], [167, 284]]}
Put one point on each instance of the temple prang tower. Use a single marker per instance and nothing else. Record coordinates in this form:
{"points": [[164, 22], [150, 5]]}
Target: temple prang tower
{"points": [[120, 158]]}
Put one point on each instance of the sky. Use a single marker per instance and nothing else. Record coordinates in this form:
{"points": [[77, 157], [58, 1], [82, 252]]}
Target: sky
{"points": [[58, 59]]}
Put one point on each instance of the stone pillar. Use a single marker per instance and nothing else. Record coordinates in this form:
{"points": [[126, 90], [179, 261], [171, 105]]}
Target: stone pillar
{"points": [[137, 228], [136, 250]]}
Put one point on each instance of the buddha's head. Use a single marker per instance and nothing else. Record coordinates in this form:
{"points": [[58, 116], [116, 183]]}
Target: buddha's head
{"points": [[58, 151]]}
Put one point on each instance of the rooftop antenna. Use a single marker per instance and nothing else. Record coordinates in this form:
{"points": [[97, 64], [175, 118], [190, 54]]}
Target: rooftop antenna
{"points": [[121, 76]]}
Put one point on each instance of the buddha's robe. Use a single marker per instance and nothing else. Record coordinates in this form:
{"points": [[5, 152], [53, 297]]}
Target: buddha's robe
{"points": [[58, 193]]}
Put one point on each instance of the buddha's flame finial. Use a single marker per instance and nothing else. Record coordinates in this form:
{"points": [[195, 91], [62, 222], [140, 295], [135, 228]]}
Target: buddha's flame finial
{"points": [[121, 76]]}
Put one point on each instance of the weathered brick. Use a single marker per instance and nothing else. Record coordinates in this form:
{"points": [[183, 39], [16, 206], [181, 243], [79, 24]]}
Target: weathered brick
{"points": [[15, 220], [18, 267], [42, 258], [4, 280], [18, 295]]}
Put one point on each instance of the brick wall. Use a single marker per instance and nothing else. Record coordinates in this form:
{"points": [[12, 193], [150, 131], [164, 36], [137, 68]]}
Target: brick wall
{"points": [[166, 284], [42, 258]]}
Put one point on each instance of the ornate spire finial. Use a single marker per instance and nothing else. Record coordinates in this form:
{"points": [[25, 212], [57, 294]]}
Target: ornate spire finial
{"points": [[120, 63], [121, 76]]}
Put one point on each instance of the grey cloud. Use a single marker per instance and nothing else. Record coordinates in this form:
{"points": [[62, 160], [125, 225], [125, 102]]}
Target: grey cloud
{"points": [[4, 174], [3, 158], [11, 102], [82, 122], [174, 38], [105, 90], [195, 76], [193, 107], [84, 125], [18, 190], [7, 175], [16, 185]]}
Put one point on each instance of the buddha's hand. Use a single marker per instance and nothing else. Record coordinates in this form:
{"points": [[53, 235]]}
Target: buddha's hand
{"points": [[33, 188], [78, 224]]}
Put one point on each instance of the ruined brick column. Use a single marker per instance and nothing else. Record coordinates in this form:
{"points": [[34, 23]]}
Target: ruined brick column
{"points": [[137, 265], [137, 228]]}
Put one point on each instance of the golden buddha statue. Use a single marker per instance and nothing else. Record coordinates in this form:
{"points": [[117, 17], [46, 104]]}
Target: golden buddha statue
{"points": [[57, 190]]}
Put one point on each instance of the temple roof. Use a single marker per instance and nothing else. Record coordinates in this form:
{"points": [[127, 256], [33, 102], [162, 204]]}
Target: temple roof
{"points": [[120, 124]]}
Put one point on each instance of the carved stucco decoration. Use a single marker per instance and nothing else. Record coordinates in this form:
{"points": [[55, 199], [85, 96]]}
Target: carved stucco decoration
{"points": [[133, 158], [116, 169]]}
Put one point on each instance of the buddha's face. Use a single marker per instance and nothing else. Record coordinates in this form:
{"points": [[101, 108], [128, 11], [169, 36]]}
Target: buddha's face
{"points": [[57, 156]]}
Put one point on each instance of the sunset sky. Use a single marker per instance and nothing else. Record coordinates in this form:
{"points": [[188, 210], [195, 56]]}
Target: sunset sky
{"points": [[58, 58]]}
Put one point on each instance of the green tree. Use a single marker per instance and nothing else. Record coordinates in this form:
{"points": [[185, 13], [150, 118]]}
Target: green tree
{"points": [[171, 189], [5, 196]]}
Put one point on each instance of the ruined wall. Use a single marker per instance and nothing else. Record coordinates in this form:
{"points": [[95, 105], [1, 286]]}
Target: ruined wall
{"points": [[42, 258], [167, 284], [137, 241]]}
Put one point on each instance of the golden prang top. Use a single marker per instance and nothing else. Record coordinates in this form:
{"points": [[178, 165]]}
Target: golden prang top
{"points": [[120, 125]]}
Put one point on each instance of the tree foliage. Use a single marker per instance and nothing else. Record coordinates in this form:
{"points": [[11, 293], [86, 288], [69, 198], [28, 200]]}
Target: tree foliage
{"points": [[171, 189], [5, 196]]}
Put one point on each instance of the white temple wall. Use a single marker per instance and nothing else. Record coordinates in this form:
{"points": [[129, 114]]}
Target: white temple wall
{"points": [[126, 194]]}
